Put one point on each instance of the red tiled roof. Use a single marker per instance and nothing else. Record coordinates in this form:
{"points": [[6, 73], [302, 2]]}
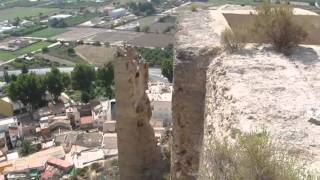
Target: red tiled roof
{"points": [[86, 120], [59, 163], [46, 175]]}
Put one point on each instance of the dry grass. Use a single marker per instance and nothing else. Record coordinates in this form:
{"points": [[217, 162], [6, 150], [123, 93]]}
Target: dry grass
{"points": [[234, 40], [252, 157], [275, 24], [97, 55]]}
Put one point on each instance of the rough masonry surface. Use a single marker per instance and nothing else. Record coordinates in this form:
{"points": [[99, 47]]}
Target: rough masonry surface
{"points": [[139, 155], [190, 64]]}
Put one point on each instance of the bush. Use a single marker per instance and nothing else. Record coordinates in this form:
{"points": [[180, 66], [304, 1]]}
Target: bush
{"points": [[146, 29], [252, 156], [45, 50], [275, 24], [27, 30], [194, 7], [235, 40], [97, 43], [80, 42], [71, 51]]}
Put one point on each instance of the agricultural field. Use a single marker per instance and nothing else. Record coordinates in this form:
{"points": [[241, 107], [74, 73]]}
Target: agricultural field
{"points": [[18, 3], [75, 5], [31, 64], [114, 36], [96, 55], [246, 2], [73, 21], [61, 52], [75, 34], [11, 13], [147, 21], [162, 28], [222, 2], [48, 32], [152, 40], [310, 23], [7, 55], [122, 2]]}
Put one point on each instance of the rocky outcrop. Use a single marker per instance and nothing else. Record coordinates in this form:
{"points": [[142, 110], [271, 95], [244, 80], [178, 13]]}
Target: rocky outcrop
{"points": [[139, 155]]}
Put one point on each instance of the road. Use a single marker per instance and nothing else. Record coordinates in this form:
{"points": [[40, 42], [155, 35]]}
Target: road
{"points": [[173, 10], [154, 73]]}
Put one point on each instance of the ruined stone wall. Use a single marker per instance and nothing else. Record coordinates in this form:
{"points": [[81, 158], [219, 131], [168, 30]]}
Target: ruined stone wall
{"points": [[217, 95], [139, 155], [192, 57]]}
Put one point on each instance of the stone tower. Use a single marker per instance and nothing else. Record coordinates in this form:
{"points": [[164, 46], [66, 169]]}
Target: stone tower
{"points": [[139, 155]]}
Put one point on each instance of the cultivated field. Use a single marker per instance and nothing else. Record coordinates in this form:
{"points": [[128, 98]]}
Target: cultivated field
{"points": [[152, 40], [146, 21], [113, 36], [134, 38], [310, 23], [7, 55], [48, 32], [61, 52], [94, 54], [75, 34], [11, 13], [73, 21], [162, 27]]}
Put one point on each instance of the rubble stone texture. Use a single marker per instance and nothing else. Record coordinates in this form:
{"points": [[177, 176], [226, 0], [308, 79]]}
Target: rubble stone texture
{"points": [[139, 155], [217, 95], [188, 100]]}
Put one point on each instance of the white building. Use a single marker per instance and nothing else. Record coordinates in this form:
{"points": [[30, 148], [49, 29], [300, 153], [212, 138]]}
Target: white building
{"points": [[117, 13], [60, 16], [160, 95], [7, 122], [103, 112], [26, 23]]}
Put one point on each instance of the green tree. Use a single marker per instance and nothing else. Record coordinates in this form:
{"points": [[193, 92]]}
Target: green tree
{"points": [[16, 21], [85, 96], [82, 77], [26, 148], [24, 69], [29, 89], [71, 51], [66, 80], [167, 69], [13, 77], [54, 83], [45, 50], [6, 76], [105, 79]]}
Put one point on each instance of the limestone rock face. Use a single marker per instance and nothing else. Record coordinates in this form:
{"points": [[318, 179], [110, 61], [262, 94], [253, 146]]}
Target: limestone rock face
{"points": [[139, 155]]}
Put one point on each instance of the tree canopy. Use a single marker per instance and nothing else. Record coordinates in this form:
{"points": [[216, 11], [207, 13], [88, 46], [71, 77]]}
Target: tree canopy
{"points": [[82, 77], [105, 80], [29, 89], [54, 82], [167, 69]]}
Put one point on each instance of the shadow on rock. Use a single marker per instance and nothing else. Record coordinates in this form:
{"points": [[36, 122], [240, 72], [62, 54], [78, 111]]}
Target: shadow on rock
{"points": [[305, 55]]}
